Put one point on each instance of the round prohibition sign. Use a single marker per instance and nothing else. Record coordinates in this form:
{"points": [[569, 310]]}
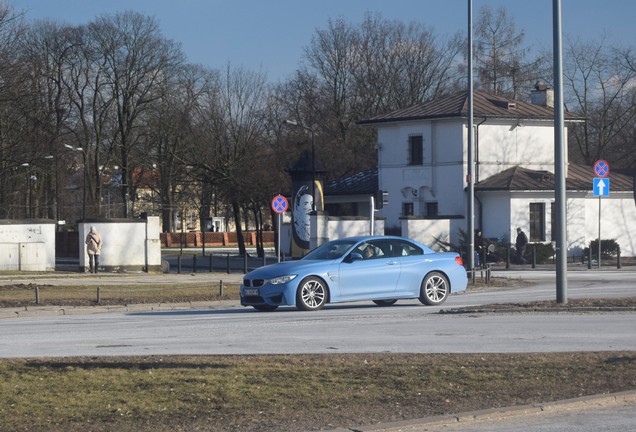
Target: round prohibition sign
{"points": [[280, 204], [601, 168]]}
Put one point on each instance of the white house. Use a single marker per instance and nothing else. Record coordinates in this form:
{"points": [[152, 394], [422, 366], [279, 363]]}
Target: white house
{"points": [[422, 164]]}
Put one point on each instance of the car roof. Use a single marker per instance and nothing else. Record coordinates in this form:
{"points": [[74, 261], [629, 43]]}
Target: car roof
{"points": [[374, 237]]}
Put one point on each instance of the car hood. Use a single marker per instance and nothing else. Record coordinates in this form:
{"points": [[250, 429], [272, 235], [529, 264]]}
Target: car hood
{"points": [[299, 267]]}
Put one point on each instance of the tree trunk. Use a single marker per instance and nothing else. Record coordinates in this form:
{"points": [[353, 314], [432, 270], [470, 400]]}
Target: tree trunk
{"points": [[239, 230]]}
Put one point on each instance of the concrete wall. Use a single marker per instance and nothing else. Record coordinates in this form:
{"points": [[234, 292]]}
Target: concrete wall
{"points": [[617, 216], [27, 245], [434, 232], [500, 146], [617, 221], [330, 228], [128, 244]]}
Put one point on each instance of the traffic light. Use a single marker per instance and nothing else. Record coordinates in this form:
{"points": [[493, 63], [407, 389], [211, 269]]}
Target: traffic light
{"points": [[381, 199]]}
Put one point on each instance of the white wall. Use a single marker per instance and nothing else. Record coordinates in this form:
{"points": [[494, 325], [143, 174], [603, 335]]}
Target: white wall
{"points": [[501, 146], [132, 245], [618, 221], [348, 227], [495, 211], [439, 179], [332, 228], [618, 217], [427, 231], [27, 245]]}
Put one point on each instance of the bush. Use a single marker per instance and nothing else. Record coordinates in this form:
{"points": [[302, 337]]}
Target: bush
{"points": [[545, 252], [609, 248]]}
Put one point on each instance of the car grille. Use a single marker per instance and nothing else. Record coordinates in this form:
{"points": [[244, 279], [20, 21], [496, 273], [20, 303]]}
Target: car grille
{"points": [[253, 283]]}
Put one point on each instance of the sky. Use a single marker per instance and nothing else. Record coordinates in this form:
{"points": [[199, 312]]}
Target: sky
{"points": [[270, 35]]}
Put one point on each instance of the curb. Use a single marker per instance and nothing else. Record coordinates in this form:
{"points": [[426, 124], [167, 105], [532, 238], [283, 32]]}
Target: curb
{"points": [[538, 310], [38, 311], [421, 424]]}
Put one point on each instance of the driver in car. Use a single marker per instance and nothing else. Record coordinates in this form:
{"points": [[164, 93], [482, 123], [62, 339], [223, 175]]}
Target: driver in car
{"points": [[369, 252]]}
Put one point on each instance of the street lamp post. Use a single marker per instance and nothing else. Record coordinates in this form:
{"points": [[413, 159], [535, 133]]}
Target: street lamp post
{"points": [[49, 190], [81, 149], [29, 194], [313, 159]]}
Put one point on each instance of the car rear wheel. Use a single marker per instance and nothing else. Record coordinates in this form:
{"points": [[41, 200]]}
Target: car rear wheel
{"points": [[312, 294], [435, 289], [265, 308], [385, 302]]}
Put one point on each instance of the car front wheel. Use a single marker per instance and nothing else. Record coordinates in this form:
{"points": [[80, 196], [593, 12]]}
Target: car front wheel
{"points": [[435, 289], [312, 294]]}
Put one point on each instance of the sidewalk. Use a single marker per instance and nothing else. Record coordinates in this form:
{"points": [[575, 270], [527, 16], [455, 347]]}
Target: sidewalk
{"points": [[529, 418], [39, 311]]}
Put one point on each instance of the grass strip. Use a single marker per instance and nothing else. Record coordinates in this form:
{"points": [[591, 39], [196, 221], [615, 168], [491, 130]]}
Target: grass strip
{"points": [[60, 295], [289, 393]]}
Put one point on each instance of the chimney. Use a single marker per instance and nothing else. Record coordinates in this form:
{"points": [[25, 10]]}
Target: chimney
{"points": [[542, 95]]}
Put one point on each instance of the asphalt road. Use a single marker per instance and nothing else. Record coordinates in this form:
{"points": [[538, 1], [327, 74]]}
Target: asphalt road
{"points": [[408, 327], [227, 328]]}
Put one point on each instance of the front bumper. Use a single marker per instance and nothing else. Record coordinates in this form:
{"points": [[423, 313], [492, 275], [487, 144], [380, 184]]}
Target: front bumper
{"points": [[271, 295]]}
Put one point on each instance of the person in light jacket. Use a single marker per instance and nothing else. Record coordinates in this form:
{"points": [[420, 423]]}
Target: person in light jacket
{"points": [[94, 247]]}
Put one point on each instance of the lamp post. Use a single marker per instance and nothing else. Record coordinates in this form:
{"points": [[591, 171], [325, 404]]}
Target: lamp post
{"points": [[313, 159], [29, 194], [49, 191], [81, 149]]}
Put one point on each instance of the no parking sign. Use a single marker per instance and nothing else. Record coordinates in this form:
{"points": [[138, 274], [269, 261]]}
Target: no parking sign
{"points": [[280, 204]]}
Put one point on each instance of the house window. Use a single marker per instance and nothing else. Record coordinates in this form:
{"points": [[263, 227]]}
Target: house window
{"points": [[416, 150], [407, 209], [537, 222], [431, 208]]}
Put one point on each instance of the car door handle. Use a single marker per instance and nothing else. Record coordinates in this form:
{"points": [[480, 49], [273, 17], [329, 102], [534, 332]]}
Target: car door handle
{"points": [[392, 263]]}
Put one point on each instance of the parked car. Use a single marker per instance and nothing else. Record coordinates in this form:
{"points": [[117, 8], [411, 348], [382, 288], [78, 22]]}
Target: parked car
{"points": [[383, 269]]}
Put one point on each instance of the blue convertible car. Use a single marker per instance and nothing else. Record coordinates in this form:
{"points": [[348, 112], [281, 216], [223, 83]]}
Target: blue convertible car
{"points": [[383, 269]]}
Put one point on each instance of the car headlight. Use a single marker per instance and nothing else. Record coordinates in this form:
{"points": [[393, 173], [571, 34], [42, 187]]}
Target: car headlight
{"points": [[282, 279]]}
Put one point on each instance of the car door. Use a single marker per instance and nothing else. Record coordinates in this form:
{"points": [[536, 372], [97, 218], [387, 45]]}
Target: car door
{"points": [[372, 276], [413, 266]]}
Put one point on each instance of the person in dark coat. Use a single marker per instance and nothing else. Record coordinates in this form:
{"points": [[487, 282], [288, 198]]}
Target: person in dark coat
{"points": [[479, 247], [520, 244]]}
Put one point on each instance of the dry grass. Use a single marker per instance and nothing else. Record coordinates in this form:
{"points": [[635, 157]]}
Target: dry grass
{"points": [[289, 393], [280, 393], [25, 295]]}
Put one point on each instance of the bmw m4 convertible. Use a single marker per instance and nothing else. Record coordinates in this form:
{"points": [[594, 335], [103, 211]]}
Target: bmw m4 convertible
{"points": [[383, 269]]}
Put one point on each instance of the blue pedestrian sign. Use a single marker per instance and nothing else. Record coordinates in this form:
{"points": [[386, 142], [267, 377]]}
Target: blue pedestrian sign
{"points": [[601, 187]]}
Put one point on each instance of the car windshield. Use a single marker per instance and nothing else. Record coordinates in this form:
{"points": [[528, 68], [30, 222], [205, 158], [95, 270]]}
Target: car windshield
{"points": [[331, 250]]}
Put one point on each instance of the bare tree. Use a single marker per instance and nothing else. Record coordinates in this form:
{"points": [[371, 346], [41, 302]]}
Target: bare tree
{"points": [[136, 60], [12, 124], [500, 56], [173, 136], [601, 88], [400, 65], [233, 121], [352, 72]]}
